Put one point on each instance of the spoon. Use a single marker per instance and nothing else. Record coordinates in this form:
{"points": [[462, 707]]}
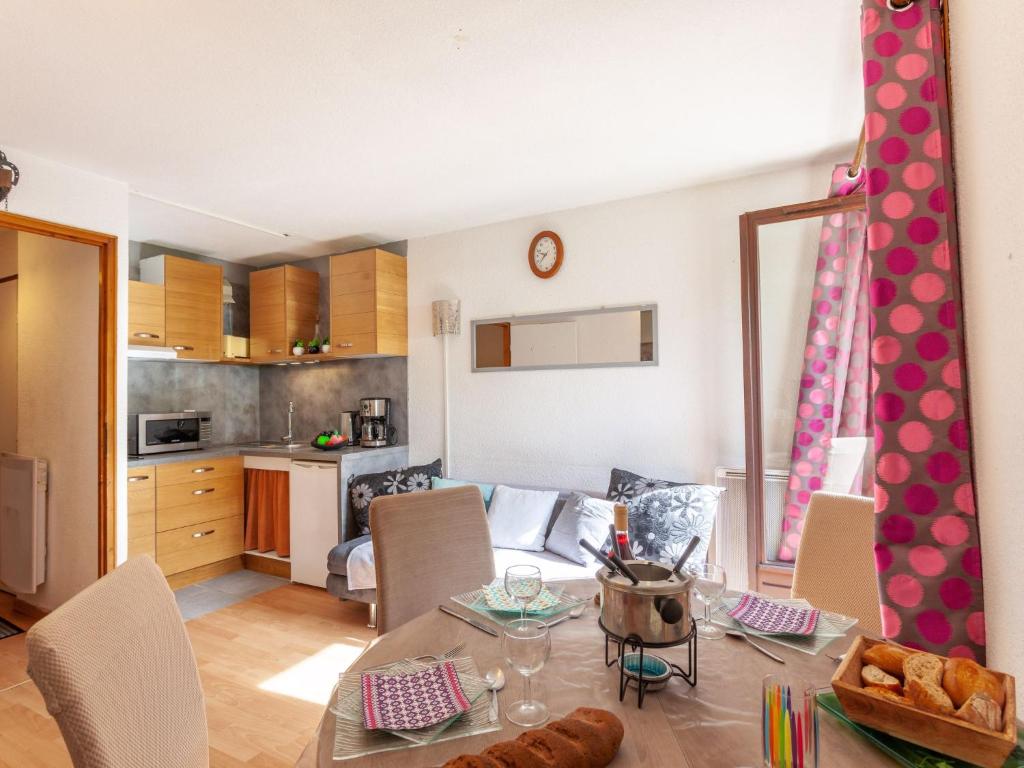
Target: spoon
{"points": [[495, 680], [575, 613]]}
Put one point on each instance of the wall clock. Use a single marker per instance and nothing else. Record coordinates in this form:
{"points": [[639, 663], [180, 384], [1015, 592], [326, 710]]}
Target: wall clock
{"points": [[545, 255]]}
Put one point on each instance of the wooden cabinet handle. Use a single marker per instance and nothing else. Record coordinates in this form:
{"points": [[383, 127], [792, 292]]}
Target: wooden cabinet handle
{"points": [[144, 335], [202, 491], [201, 470], [345, 345], [200, 534], [138, 478], [183, 348], [274, 351]]}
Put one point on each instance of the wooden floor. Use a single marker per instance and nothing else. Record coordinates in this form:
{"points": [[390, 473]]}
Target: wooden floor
{"points": [[259, 660]]}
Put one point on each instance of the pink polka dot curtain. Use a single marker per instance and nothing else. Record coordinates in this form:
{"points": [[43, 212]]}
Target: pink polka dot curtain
{"points": [[927, 547], [834, 397]]}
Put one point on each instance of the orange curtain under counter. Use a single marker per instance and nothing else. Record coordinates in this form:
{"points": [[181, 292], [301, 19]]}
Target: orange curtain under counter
{"points": [[266, 511]]}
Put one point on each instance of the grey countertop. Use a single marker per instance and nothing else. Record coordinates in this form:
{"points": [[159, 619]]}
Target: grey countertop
{"points": [[303, 453]]}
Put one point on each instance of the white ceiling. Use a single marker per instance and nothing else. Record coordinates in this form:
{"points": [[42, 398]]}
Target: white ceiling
{"points": [[346, 122]]}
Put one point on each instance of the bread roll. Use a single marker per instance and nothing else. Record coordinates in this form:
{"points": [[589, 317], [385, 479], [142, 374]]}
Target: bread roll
{"points": [[929, 696], [982, 711], [872, 675], [886, 693], [887, 657], [586, 738], [963, 678], [925, 667]]}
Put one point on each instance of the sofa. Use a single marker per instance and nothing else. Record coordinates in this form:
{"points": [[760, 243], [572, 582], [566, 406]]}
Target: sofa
{"points": [[553, 567]]}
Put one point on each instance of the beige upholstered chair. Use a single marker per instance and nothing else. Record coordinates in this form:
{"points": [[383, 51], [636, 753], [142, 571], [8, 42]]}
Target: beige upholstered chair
{"points": [[426, 548], [116, 670], [835, 565]]}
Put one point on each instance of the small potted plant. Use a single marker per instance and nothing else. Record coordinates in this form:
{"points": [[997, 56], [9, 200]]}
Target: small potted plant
{"points": [[325, 345], [298, 347], [314, 346]]}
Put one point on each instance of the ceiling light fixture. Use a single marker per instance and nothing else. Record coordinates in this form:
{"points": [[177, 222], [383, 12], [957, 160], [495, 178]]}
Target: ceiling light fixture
{"points": [[201, 212]]}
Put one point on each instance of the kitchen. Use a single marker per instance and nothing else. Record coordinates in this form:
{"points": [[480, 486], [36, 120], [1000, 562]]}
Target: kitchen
{"points": [[232, 377]]}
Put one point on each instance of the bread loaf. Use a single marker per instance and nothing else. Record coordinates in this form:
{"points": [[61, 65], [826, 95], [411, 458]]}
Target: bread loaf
{"points": [[585, 738], [929, 696], [963, 678], [982, 711], [925, 667], [872, 675], [886, 693], [887, 657]]}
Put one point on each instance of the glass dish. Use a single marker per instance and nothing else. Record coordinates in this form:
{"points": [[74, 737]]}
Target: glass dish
{"points": [[475, 602]]}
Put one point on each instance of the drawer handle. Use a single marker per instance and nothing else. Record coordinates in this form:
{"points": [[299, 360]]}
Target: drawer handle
{"points": [[200, 470], [144, 335], [183, 348], [274, 351], [138, 478], [346, 345], [201, 491], [200, 534]]}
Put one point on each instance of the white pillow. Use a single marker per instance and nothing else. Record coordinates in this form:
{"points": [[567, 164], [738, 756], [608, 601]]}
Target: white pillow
{"points": [[582, 517], [518, 518]]}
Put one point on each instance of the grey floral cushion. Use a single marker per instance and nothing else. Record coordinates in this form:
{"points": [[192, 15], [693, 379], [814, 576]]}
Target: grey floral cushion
{"points": [[363, 489], [662, 522], [624, 486]]}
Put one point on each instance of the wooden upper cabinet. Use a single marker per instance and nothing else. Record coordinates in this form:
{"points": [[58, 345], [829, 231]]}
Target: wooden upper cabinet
{"points": [[284, 305], [146, 314], [369, 304], [193, 304]]}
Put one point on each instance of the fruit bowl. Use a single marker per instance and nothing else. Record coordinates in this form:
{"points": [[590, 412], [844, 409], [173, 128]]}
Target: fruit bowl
{"points": [[329, 441], [336, 447]]}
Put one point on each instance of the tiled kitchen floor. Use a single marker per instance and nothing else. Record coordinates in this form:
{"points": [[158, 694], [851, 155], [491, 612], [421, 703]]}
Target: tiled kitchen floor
{"points": [[207, 596]]}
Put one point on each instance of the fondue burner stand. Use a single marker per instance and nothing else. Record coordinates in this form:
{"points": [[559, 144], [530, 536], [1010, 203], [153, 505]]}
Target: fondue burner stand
{"points": [[634, 642]]}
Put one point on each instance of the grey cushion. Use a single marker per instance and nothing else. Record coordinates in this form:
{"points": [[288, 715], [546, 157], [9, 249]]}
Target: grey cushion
{"points": [[337, 558], [624, 486], [581, 517], [662, 522]]}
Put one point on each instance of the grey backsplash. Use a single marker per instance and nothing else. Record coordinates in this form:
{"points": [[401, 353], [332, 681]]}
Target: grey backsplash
{"points": [[321, 392], [230, 392]]}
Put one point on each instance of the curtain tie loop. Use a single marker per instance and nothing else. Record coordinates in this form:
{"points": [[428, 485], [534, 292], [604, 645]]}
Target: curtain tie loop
{"points": [[899, 5]]}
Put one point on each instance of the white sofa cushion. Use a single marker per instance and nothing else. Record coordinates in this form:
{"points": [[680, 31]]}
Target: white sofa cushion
{"points": [[518, 518], [552, 567], [582, 517]]}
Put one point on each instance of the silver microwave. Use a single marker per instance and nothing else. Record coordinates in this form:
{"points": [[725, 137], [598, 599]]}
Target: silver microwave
{"points": [[150, 433]]}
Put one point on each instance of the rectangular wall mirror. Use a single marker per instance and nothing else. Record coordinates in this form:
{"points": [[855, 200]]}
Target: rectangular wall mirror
{"points": [[589, 338]]}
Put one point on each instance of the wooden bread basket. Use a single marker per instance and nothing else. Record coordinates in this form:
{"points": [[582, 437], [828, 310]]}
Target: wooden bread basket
{"points": [[941, 733]]}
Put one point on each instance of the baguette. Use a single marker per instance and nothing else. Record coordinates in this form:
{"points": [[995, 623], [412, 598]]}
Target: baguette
{"points": [[887, 657], [924, 667], [963, 678], [929, 696], [982, 711], [886, 693], [585, 738], [872, 675]]}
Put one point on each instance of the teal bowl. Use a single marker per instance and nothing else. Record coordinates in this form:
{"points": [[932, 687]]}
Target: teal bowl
{"points": [[656, 670]]}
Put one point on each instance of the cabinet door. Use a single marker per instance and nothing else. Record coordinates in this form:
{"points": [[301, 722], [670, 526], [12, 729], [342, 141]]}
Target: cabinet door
{"points": [[142, 511], [369, 314], [302, 303], [268, 333], [146, 314], [194, 301]]}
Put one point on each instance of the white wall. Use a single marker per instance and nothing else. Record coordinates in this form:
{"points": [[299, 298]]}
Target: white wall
{"points": [[988, 99], [568, 428], [66, 195]]}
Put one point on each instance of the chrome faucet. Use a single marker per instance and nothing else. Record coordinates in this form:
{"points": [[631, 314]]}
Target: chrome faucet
{"points": [[291, 409]]}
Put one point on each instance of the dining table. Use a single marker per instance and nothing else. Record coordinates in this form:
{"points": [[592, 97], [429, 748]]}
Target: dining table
{"points": [[715, 723]]}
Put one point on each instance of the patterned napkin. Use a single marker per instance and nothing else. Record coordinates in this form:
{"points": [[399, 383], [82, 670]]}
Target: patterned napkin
{"points": [[499, 600], [406, 702], [774, 618]]}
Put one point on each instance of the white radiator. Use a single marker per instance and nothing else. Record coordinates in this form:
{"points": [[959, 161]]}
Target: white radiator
{"points": [[731, 526], [22, 522]]}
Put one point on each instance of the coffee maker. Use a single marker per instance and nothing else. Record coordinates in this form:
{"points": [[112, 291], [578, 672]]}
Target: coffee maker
{"points": [[377, 430]]}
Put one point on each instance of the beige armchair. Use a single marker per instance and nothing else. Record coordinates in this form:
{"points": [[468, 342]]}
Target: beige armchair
{"points": [[835, 565], [428, 547], [117, 672]]}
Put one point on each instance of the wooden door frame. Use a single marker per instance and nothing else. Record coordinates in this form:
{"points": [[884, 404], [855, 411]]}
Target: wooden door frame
{"points": [[750, 269], [107, 245]]}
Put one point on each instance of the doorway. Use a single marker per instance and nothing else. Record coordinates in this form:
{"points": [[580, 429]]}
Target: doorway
{"points": [[64, 285]]}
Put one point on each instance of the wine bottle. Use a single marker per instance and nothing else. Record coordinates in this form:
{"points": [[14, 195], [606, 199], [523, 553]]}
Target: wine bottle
{"points": [[622, 545]]}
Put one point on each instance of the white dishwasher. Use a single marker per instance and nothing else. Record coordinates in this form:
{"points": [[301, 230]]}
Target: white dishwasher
{"points": [[313, 502]]}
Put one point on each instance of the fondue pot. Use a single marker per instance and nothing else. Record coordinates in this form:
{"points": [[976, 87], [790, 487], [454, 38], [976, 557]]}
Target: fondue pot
{"points": [[656, 608], [645, 599]]}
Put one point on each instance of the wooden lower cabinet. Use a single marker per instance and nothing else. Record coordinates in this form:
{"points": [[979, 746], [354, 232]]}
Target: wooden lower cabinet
{"points": [[198, 513], [142, 511]]}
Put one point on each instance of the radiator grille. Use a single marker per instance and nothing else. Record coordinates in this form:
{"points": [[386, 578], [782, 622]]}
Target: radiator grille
{"points": [[731, 526]]}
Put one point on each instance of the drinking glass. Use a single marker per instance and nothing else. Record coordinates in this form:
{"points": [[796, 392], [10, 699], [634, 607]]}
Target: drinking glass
{"points": [[789, 723], [709, 585], [523, 582], [526, 644]]}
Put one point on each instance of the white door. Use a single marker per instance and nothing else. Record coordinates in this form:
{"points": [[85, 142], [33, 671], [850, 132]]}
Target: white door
{"points": [[313, 508]]}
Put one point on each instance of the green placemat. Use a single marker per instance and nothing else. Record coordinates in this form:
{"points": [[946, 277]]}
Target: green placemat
{"points": [[910, 755]]}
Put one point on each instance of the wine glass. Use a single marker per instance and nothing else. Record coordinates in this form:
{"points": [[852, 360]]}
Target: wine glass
{"points": [[709, 585], [523, 583], [526, 644]]}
